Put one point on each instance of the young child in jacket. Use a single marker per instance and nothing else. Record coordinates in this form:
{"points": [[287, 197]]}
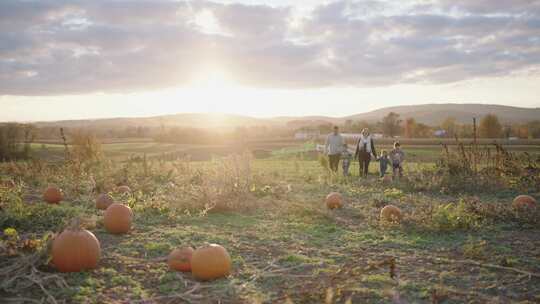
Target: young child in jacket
{"points": [[397, 156], [384, 161], [346, 158]]}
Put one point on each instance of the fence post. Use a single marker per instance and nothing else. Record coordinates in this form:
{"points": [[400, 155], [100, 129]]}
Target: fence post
{"points": [[475, 145]]}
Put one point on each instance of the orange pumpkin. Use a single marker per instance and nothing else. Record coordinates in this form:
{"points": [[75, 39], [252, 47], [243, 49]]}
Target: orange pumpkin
{"points": [[75, 250], [117, 218], [9, 184], [334, 200], [210, 262], [524, 202], [391, 213], [123, 189], [180, 259], [53, 195], [103, 201]]}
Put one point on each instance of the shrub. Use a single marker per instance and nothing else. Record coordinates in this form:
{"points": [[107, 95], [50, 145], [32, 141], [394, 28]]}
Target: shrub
{"points": [[474, 248], [450, 217]]}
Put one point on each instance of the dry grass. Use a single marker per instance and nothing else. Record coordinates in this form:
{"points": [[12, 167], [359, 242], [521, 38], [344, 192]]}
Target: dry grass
{"points": [[286, 246]]}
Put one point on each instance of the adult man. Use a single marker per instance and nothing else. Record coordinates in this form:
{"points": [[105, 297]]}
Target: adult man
{"points": [[333, 148]]}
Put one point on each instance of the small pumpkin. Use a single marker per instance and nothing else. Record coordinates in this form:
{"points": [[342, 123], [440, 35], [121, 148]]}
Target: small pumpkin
{"points": [[53, 195], [210, 262], [524, 202], [180, 259], [334, 200], [117, 218], [9, 184], [391, 213], [123, 189], [387, 179], [75, 249], [219, 207], [103, 201]]}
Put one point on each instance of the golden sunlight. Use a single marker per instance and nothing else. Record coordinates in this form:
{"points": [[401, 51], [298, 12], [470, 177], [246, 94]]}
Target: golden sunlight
{"points": [[212, 79]]}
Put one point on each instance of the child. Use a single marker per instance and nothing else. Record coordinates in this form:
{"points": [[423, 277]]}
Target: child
{"points": [[397, 156], [346, 157], [383, 162]]}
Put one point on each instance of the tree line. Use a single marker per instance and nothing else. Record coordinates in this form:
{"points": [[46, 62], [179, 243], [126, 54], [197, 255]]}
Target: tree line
{"points": [[392, 125], [16, 139]]}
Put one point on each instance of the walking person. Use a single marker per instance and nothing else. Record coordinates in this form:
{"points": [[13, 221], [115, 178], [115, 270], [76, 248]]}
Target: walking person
{"points": [[384, 161], [346, 158], [397, 156], [333, 148], [364, 150]]}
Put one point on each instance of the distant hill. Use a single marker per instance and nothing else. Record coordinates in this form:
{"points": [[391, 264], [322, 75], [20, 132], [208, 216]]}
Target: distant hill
{"points": [[430, 114], [194, 120], [434, 114]]}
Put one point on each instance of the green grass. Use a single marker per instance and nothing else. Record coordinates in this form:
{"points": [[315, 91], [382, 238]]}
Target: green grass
{"points": [[416, 152]]}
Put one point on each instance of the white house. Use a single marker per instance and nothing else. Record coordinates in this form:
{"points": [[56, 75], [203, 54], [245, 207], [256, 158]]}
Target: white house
{"points": [[440, 133], [307, 135]]}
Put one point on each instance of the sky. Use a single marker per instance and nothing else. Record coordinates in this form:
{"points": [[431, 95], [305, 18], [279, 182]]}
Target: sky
{"points": [[63, 59]]}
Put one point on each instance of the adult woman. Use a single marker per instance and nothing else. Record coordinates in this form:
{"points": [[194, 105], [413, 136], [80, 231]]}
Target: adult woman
{"points": [[364, 149]]}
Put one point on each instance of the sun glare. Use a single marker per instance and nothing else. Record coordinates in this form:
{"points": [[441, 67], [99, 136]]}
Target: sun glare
{"points": [[212, 90], [213, 79]]}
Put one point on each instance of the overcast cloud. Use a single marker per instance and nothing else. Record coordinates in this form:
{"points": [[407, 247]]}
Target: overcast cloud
{"points": [[55, 47]]}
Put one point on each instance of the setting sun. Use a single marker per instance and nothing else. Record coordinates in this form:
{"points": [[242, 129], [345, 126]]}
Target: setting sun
{"points": [[212, 79]]}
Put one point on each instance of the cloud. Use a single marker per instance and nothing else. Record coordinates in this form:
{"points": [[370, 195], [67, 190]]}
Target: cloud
{"points": [[55, 47], [522, 7]]}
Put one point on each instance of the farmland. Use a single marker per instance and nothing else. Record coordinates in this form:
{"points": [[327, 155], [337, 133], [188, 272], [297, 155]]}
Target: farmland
{"points": [[456, 243], [418, 150]]}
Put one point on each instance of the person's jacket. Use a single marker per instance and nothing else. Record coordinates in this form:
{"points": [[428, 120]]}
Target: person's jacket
{"points": [[357, 153]]}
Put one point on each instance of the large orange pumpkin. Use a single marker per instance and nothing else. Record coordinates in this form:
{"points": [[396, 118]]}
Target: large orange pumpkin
{"points": [[53, 195], [180, 259], [75, 250], [334, 200], [117, 218], [210, 262], [103, 201], [524, 201], [391, 213], [123, 189]]}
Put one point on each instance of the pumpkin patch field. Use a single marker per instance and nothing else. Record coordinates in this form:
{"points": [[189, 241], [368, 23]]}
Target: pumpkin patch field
{"points": [[237, 229]]}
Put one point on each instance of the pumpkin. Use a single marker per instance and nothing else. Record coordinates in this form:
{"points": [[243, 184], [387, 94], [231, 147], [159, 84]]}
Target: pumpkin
{"points": [[123, 189], [117, 218], [75, 250], [180, 259], [210, 262], [103, 201], [53, 195], [524, 201], [219, 207], [9, 184], [387, 179], [391, 213], [334, 200]]}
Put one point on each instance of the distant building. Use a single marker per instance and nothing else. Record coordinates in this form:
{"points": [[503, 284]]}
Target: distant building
{"points": [[356, 136], [307, 135], [440, 133]]}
